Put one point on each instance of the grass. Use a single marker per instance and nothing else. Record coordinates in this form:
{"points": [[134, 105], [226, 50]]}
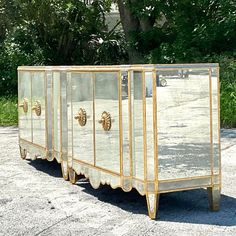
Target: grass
{"points": [[8, 111]]}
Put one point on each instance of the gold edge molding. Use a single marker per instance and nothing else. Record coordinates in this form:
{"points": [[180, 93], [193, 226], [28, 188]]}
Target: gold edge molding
{"points": [[211, 127], [219, 134], [130, 124], [31, 143], [144, 129], [155, 133], [119, 75]]}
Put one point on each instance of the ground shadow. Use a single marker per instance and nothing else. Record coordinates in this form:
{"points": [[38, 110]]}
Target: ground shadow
{"points": [[50, 167], [185, 207]]}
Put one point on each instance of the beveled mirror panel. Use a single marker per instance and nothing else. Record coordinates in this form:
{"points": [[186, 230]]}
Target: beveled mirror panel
{"points": [[107, 121], [82, 106], [150, 157], [126, 122], [56, 112], [38, 108], [138, 126], [215, 119], [183, 121], [24, 103]]}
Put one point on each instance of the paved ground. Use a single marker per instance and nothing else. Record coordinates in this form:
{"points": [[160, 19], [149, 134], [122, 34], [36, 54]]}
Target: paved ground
{"points": [[35, 200]]}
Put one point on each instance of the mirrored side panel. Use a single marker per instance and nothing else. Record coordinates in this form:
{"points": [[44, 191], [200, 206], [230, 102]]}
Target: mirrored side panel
{"points": [[56, 114], [82, 116], [150, 172], [38, 108], [138, 126], [215, 120], [126, 122], [24, 110], [107, 136], [183, 123]]}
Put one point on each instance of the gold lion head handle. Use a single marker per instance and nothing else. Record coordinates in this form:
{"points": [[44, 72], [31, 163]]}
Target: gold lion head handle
{"points": [[82, 117], [37, 108], [106, 121], [24, 105]]}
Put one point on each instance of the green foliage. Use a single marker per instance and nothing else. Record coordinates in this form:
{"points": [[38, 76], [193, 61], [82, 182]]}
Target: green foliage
{"points": [[54, 32], [8, 111]]}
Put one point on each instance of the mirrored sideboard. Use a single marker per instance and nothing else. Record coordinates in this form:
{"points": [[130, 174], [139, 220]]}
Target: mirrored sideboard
{"points": [[154, 128]]}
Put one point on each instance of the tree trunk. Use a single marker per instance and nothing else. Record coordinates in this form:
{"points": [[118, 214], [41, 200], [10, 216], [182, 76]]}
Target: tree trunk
{"points": [[130, 25]]}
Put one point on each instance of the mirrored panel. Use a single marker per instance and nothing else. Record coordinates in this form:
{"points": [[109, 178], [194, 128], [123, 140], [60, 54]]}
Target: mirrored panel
{"points": [[138, 144], [24, 97], [126, 123], [183, 123], [107, 136], [149, 125], [38, 108], [215, 119], [56, 111], [82, 106]]}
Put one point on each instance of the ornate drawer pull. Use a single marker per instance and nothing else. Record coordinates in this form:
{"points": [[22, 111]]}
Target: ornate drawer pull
{"points": [[106, 121], [37, 108], [24, 105], [82, 117]]}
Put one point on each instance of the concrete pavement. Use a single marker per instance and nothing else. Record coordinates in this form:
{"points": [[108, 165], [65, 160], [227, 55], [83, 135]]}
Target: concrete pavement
{"points": [[35, 200]]}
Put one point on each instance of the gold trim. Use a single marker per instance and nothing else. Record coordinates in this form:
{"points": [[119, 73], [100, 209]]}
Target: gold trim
{"points": [[94, 124], [144, 130], [31, 102], [219, 135], [211, 131], [130, 124], [184, 179], [31, 143], [183, 189], [155, 141], [97, 167], [119, 75]]}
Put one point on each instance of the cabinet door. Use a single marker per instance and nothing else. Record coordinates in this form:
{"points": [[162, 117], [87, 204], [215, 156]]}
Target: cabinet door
{"points": [[82, 117], [107, 132], [38, 108], [24, 100]]}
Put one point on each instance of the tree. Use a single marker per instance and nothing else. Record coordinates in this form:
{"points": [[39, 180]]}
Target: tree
{"points": [[185, 30]]}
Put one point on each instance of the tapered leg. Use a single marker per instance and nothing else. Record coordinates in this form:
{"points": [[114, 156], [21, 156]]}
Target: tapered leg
{"points": [[214, 198], [73, 176], [23, 153], [152, 204], [64, 170]]}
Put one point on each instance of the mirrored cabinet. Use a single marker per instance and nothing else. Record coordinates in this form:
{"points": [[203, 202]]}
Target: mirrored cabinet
{"points": [[154, 128]]}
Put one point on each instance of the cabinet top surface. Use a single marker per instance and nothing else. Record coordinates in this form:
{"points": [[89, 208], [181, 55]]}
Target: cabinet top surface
{"points": [[119, 67]]}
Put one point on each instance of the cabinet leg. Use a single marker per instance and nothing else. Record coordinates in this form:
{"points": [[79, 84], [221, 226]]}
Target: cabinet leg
{"points": [[73, 176], [214, 198], [152, 204], [64, 170], [23, 152]]}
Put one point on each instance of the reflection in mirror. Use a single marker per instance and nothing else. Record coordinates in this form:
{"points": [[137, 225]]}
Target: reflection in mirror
{"points": [[138, 148], [107, 99], [183, 121], [125, 122], [215, 119], [149, 125], [25, 94], [82, 98], [38, 95], [56, 111]]}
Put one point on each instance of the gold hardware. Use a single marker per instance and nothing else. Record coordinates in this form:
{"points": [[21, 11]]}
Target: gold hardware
{"points": [[24, 105], [82, 117], [37, 108], [106, 121]]}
